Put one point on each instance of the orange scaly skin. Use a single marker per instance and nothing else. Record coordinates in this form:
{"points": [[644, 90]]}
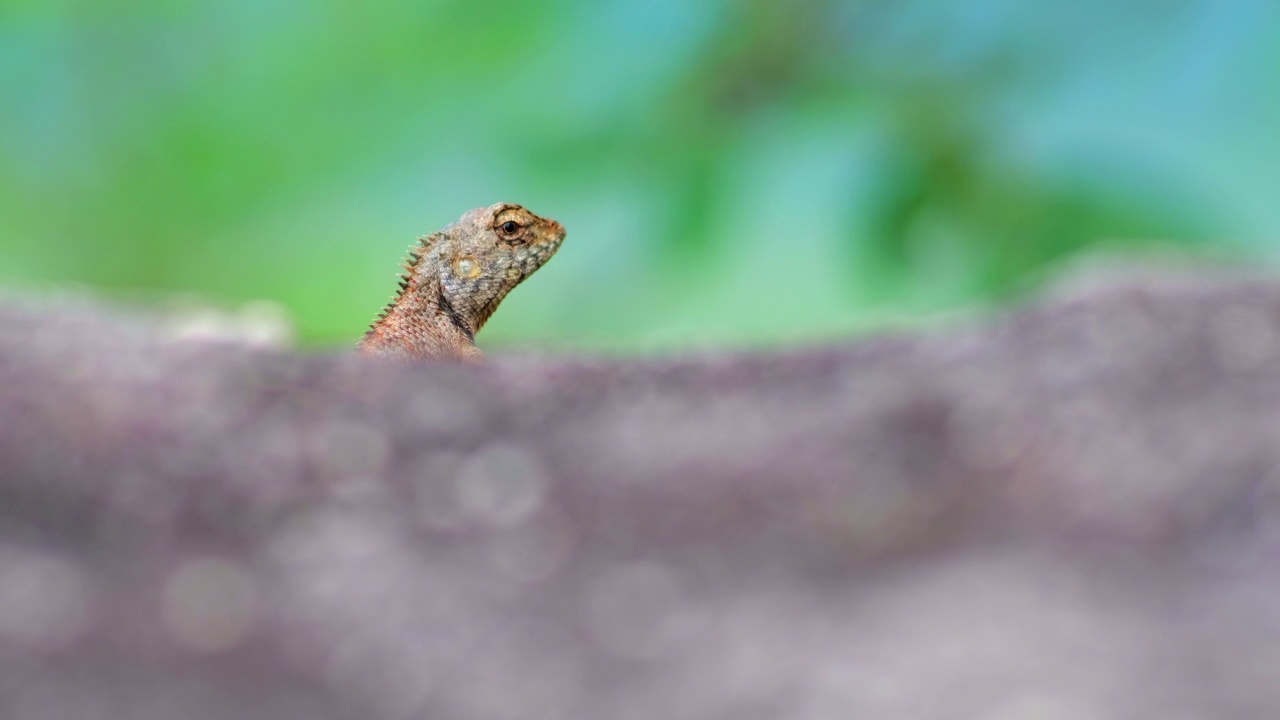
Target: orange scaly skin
{"points": [[454, 280]]}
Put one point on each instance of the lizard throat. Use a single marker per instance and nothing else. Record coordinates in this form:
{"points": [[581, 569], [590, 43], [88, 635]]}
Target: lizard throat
{"points": [[453, 316]]}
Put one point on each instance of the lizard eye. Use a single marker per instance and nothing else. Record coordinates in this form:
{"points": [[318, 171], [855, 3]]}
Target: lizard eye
{"points": [[509, 227]]}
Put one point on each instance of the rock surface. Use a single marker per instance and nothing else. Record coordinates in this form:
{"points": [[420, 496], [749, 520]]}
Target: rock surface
{"points": [[1068, 511]]}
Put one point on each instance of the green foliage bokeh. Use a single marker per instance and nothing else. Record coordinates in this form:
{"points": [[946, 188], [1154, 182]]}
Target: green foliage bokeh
{"points": [[729, 171]]}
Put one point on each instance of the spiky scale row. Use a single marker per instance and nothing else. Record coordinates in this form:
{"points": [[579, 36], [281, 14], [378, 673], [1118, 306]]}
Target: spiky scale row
{"points": [[409, 264]]}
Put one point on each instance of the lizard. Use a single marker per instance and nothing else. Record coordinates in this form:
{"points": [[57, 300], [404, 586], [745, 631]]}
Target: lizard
{"points": [[454, 279]]}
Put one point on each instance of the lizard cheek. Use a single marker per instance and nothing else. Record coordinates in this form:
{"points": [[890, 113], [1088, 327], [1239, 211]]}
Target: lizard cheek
{"points": [[466, 268]]}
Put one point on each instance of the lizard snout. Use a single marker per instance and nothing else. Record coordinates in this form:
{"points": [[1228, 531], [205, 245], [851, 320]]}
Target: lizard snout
{"points": [[555, 230]]}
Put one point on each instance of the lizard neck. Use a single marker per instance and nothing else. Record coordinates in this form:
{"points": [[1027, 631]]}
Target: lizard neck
{"points": [[421, 322]]}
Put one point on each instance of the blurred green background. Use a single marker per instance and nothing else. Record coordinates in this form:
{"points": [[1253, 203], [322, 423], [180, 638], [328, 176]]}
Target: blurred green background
{"points": [[730, 172]]}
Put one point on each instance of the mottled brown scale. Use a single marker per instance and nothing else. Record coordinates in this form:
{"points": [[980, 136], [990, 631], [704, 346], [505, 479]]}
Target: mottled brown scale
{"points": [[454, 280]]}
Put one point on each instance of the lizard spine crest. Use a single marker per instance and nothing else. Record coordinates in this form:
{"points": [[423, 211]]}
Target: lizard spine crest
{"points": [[409, 264]]}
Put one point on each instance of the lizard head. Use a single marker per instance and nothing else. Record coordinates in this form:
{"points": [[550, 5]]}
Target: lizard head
{"points": [[490, 251]]}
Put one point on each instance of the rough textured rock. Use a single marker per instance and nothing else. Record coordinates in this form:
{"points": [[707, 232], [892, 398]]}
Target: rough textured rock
{"points": [[1068, 511]]}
